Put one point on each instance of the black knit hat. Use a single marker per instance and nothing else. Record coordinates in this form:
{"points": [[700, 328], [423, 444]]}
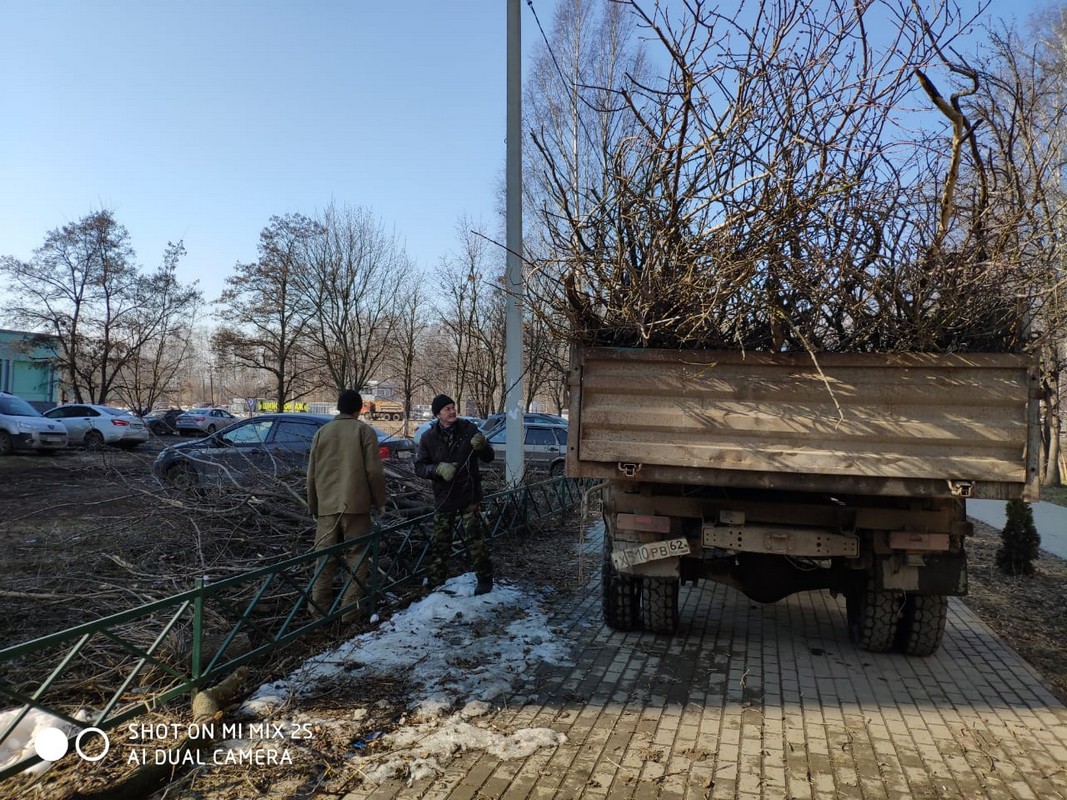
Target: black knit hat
{"points": [[440, 402], [349, 402]]}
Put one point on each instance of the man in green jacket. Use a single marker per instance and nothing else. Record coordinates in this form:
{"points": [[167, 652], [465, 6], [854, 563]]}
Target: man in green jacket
{"points": [[345, 483]]}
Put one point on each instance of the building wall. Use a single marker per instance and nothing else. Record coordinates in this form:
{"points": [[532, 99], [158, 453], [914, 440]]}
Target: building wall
{"points": [[27, 371]]}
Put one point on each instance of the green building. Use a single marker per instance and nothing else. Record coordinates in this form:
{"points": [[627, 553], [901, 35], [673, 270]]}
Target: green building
{"points": [[27, 366]]}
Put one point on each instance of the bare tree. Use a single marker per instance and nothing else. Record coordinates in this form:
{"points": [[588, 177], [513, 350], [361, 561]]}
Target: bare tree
{"points": [[768, 192], [164, 326], [266, 313], [84, 288], [461, 313], [350, 288], [486, 363], [1022, 101], [409, 343]]}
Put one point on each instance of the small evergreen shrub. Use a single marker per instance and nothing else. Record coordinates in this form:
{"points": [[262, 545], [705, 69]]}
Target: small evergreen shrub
{"points": [[1019, 540]]}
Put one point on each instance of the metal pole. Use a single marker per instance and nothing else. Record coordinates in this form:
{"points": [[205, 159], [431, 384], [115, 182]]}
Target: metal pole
{"points": [[513, 400]]}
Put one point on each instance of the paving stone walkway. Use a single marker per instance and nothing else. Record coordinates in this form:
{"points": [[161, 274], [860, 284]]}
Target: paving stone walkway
{"points": [[751, 701]]}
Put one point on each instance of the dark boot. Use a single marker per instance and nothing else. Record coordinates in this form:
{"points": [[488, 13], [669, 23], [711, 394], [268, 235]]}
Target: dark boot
{"points": [[485, 585]]}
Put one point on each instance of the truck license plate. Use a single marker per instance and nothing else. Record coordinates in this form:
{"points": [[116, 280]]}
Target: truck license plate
{"points": [[651, 551]]}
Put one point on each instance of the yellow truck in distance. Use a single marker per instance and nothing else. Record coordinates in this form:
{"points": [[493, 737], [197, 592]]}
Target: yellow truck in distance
{"points": [[382, 409]]}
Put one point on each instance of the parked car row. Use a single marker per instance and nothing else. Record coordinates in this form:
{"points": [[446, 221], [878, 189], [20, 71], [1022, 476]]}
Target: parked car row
{"points": [[252, 451], [544, 438], [263, 445]]}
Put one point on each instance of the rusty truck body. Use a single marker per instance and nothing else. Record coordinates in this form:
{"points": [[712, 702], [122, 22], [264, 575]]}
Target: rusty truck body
{"points": [[785, 472]]}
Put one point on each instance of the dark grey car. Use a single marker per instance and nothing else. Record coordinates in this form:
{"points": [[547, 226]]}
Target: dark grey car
{"points": [[247, 453], [255, 452]]}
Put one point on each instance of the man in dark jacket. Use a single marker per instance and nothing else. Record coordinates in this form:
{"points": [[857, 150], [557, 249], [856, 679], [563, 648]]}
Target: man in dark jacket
{"points": [[448, 455]]}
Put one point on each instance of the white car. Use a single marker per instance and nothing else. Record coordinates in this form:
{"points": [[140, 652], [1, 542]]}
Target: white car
{"points": [[95, 426], [23, 428]]}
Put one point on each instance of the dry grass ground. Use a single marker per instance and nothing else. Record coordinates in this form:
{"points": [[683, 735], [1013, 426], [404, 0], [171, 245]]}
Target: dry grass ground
{"points": [[83, 535], [1029, 613]]}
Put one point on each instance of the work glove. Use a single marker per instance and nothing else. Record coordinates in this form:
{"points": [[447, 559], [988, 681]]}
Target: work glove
{"points": [[478, 442], [446, 471]]}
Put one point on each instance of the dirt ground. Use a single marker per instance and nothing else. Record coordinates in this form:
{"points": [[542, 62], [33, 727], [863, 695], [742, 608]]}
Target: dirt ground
{"points": [[87, 534], [83, 535]]}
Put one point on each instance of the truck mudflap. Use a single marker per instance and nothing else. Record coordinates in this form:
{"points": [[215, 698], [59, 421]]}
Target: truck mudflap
{"points": [[930, 574]]}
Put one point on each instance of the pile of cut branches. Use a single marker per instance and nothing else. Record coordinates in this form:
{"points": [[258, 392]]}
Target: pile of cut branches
{"points": [[765, 193]]}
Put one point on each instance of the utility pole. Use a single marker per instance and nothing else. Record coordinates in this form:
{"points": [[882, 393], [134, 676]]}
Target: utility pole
{"points": [[513, 284]]}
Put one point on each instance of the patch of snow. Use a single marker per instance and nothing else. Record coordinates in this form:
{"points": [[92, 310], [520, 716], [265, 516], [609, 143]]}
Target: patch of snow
{"points": [[460, 653]]}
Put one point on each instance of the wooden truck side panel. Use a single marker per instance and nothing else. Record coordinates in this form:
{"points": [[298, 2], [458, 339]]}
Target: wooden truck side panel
{"points": [[907, 424]]}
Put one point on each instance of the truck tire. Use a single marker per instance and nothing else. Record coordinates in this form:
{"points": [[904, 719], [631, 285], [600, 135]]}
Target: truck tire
{"points": [[622, 594], [7, 446], [923, 624], [873, 616], [659, 604]]}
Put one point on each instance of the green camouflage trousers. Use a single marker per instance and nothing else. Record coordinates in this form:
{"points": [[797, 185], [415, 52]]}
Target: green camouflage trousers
{"points": [[444, 523]]}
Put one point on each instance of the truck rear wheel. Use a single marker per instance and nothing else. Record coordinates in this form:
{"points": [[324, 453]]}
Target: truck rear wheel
{"points": [[622, 594], [659, 604], [873, 616], [923, 624]]}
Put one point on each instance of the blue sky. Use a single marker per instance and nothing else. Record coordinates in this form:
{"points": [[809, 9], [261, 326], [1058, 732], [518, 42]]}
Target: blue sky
{"points": [[200, 120]]}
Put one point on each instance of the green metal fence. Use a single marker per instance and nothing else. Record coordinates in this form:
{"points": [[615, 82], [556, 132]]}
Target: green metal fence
{"points": [[134, 662]]}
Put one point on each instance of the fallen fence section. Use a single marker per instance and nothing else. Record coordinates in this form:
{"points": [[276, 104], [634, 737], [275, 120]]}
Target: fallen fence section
{"points": [[134, 662]]}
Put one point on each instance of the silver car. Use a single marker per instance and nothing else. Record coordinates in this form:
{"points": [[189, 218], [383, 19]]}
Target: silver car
{"points": [[544, 446], [198, 421], [94, 426], [23, 428]]}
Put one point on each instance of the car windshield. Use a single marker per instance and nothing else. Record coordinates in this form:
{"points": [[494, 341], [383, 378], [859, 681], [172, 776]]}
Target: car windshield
{"points": [[254, 432], [115, 412], [17, 407], [198, 411]]}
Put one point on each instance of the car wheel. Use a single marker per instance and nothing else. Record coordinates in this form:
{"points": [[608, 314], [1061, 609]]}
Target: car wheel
{"points": [[556, 470], [7, 447], [94, 440], [181, 476], [211, 428]]}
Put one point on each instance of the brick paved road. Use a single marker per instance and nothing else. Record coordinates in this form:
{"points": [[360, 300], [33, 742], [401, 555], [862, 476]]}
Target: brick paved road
{"points": [[752, 701]]}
